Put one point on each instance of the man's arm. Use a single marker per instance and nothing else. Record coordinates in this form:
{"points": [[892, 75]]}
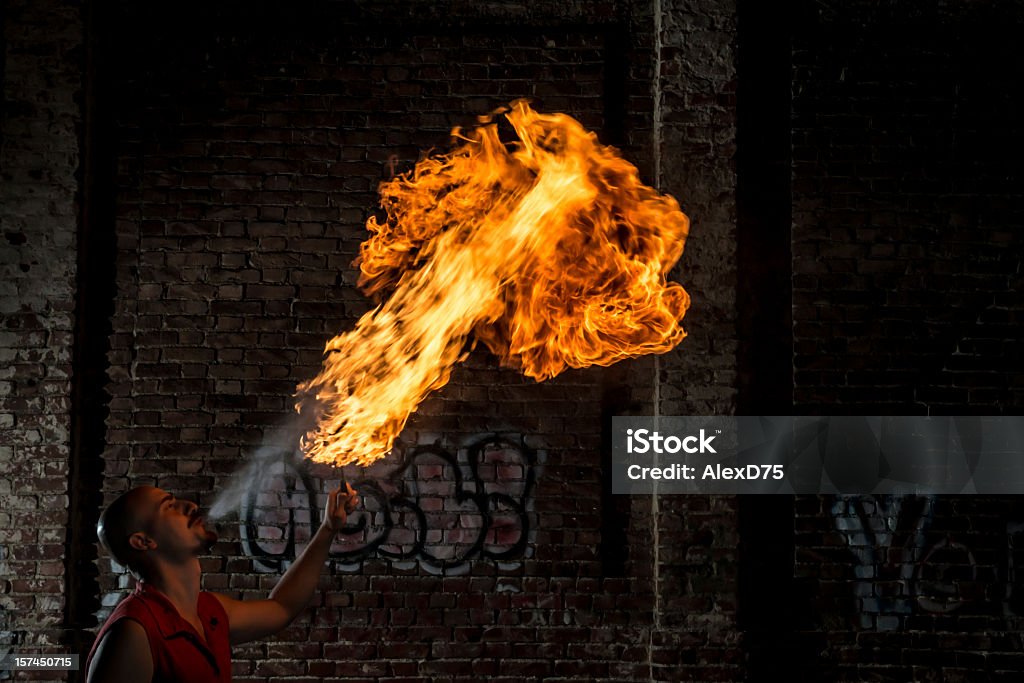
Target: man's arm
{"points": [[252, 619], [122, 656]]}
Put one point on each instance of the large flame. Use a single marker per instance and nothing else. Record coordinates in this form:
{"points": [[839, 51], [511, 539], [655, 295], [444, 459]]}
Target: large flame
{"points": [[549, 250]]}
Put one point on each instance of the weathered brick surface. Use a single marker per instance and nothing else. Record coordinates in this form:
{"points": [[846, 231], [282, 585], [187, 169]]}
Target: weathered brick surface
{"points": [[248, 161], [698, 638], [907, 212], [41, 77], [908, 588], [249, 147]]}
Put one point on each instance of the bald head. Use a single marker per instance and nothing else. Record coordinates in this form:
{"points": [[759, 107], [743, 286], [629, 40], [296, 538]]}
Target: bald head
{"points": [[128, 514]]}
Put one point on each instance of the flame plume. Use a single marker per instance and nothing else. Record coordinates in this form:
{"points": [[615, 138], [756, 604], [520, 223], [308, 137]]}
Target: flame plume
{"points": [[549, 250]]}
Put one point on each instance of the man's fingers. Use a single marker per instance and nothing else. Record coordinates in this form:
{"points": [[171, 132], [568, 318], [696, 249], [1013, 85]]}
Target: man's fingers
{"points": [[351, 500], [334, 502], [342, 501]]}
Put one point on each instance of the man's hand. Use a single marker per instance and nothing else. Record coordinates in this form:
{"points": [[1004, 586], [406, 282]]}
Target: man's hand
{"points": [[340, 504]]}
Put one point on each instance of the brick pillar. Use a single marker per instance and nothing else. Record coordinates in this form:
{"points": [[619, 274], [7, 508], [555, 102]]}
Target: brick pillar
{"points": [[696, 636], [42, 83]]}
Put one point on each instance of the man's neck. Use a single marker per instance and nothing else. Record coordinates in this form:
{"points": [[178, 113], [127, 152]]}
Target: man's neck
{"points": [[180, 583]]}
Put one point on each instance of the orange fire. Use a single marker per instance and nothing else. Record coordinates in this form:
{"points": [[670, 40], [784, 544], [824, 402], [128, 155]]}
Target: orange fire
{"points": [[549, 250]]}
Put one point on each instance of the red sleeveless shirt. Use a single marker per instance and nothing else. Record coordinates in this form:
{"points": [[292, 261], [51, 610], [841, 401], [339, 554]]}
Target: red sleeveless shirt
{"points": [[179, 653]]}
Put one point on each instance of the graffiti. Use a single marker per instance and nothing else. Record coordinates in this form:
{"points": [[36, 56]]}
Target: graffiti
{"points": [[9, 640], [1013, 603], [894, 579], [938, 577], [436, 509], [869, 525]]}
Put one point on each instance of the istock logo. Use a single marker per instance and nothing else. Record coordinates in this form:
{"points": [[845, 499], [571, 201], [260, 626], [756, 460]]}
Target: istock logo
{"points": [[645, 441]]}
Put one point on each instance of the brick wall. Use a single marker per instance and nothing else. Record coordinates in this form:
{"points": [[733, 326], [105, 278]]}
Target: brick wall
{"points": [[906, 202], [248, 160], [41, 74], [906, 276], [246, 148]]}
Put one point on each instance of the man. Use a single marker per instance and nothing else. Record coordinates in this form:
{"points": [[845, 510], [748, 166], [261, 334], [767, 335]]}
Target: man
{"points": [[169, 630]]}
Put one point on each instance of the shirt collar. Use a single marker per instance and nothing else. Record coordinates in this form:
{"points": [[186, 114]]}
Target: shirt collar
{"points": [[168, 619]]}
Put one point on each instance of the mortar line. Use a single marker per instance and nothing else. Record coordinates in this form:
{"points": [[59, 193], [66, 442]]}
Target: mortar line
{"points": [[656, 133]]}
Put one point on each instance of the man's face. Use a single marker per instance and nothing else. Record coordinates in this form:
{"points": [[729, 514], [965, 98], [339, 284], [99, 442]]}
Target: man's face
{"points": [[175, 525]]}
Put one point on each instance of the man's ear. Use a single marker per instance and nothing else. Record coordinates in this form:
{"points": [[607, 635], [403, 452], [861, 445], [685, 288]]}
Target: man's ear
{"points": [[140, 541]]}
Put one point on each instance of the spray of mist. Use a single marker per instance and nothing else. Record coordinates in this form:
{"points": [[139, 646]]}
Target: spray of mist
{"points": [[282, 445]]}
